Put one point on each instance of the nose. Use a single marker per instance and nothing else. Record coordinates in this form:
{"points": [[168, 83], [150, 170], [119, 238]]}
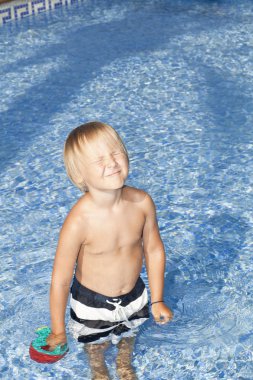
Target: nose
{"points": [[111, 161]]}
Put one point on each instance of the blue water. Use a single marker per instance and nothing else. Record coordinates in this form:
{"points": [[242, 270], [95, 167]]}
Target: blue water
{"points": [[175, 79]]}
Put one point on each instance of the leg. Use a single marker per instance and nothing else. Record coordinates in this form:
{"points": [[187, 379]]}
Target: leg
{"points": [[97, 361], [124, 367]]}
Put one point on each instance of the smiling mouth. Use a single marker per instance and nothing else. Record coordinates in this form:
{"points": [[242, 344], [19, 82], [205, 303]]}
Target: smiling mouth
{"points": [[110, 175]]}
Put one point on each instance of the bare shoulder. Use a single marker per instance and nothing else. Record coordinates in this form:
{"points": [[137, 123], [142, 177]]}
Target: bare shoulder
{"points": [[139, 196], [75, 219]]}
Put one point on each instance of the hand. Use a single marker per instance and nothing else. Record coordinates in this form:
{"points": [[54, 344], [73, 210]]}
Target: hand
{"points": [[54, 340], [161, 313]]}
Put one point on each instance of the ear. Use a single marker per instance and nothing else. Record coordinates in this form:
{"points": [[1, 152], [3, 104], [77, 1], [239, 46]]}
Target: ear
{"points": [[78, 180], [84, 187]]}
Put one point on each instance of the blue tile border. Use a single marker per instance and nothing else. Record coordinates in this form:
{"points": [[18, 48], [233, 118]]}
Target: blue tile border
{"points": [[18, 9], [21, 10], [5, 15]]}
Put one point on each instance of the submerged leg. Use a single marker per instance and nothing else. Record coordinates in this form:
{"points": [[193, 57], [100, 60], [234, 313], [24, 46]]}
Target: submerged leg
{"points": [[124, 367], [97, 360]]}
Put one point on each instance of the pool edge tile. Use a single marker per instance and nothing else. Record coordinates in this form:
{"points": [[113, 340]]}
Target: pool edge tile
{"points": [[18, 9]]}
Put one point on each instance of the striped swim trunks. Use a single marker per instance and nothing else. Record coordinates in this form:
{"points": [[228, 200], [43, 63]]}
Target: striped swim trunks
{"points": [[96, 318]]}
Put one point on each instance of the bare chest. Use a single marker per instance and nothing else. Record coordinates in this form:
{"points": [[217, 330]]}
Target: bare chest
{"points": [[107, 233]]}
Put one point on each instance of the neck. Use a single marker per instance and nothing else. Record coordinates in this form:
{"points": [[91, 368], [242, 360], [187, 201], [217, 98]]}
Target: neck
{"points": [[106, 199]]}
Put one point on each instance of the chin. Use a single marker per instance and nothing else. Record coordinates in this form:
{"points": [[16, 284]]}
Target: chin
{"points": [[117, 186]]}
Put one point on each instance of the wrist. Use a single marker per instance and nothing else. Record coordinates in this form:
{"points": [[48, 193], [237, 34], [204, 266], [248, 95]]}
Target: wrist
{"points": [[57, 332], [154, 302]]}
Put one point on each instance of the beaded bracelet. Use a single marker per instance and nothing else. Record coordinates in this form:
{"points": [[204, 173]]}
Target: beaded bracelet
{"points": [[152, 303]]}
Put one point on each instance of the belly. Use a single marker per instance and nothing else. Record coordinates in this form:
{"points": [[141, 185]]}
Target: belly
{"points": [[110, 273]]}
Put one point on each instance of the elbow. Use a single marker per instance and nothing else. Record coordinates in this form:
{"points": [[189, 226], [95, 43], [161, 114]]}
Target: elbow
{"points": [[59, 284]]}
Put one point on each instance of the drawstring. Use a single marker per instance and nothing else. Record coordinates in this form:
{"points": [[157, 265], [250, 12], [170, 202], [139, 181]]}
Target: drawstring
{"points": [[119, 312]]}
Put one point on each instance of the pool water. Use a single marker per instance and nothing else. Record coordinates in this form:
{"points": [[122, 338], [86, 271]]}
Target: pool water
{"points": [[175, 78]]}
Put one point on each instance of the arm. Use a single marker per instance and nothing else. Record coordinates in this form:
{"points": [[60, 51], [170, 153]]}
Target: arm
{"points": [[64, 264], [155, 262]]}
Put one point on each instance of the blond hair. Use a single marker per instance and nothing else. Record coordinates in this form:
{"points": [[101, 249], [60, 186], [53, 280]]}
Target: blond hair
{"points": [[80, 137]]}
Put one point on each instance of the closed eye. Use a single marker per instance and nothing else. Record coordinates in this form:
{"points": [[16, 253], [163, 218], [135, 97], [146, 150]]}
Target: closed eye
{"points": [[97, 162]]}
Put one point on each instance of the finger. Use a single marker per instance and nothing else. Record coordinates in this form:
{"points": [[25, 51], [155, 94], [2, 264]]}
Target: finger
{"points": [[167, 318], [162, 319], [158, 319], [160, 322], [52, 343]]}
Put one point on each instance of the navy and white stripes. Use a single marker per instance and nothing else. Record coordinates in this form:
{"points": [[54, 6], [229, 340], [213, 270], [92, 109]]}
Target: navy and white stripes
{"points": [[95, 317]]}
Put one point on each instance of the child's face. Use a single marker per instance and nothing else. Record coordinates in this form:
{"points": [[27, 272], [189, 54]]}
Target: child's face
{"points": [[105, 166]]}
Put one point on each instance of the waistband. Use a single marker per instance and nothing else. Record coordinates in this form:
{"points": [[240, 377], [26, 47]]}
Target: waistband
{"points": [[83, 294]]}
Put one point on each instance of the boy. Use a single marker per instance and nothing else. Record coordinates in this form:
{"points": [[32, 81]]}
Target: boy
{"points": [[104, 239]]}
